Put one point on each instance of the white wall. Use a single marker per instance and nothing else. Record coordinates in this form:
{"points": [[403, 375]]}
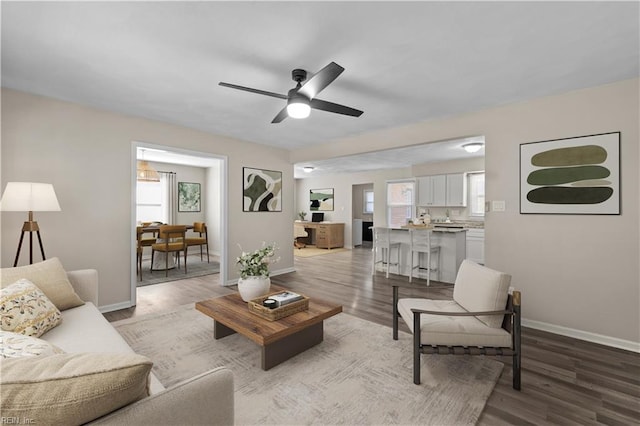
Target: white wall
{"points": [[86, 154], [579, 274]]}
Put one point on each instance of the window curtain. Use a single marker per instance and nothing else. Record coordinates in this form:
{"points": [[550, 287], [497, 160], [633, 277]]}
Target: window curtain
{"points": [[169, 189]]}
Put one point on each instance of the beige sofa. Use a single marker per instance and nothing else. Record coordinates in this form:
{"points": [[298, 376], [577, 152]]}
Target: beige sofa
{"points": [[204, 399]]}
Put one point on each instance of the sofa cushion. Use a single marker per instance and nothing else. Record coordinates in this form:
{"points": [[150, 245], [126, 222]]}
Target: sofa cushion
{"points": [[480, 289], [25, 309], [71, 389], [15, 345], [85, 329], [451, 331], [50, 277]]}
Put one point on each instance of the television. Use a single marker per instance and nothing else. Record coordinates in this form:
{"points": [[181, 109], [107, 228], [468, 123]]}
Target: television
{"points": [[317, 217]]}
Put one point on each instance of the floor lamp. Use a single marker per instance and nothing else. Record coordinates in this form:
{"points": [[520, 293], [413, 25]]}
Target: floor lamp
{"points": [[29, 197]]}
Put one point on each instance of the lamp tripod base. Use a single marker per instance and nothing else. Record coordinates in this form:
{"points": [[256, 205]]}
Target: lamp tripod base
{"points": [[30, 226]]}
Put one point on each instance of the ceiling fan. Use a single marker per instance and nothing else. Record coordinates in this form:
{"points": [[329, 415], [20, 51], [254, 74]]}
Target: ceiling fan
{"points": [[302, 98]]}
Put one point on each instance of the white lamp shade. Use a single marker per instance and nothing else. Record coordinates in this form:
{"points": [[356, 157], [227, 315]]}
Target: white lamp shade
{"points": [[29, 196]]}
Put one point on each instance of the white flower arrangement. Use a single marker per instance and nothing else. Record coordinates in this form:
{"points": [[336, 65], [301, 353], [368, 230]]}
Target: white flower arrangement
{"points": [[256, 263]]}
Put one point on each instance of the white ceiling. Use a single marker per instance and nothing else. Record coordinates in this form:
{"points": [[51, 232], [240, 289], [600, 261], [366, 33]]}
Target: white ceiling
{"points": [[405, 62]]}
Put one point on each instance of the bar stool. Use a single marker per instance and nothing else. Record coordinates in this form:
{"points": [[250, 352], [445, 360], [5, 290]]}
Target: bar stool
{"points": [[420, 242], [382, 241]]}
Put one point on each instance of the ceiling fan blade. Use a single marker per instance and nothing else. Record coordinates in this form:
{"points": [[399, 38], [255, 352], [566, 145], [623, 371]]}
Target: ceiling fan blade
{"points": [[337, 108], [322, 79], [258, 91], [281, 116]]}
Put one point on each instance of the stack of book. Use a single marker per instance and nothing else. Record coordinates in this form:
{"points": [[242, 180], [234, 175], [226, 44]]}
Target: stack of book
{"points": [[285, 298]]}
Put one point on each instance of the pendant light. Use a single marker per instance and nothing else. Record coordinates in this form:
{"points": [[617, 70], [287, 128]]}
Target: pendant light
{"points": [[146, 173]]}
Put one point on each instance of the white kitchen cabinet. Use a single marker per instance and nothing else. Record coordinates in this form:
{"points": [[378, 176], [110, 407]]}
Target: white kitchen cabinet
{"points": [[456, 190], [432, 190], [475, 245]]}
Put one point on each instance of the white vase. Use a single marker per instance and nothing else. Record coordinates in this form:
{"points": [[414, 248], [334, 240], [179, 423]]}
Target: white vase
{"points": [[253, 287]]}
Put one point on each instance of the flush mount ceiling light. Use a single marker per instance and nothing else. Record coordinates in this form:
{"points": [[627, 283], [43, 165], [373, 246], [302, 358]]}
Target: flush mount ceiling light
{"points": [[473, 147], [307, 169]]}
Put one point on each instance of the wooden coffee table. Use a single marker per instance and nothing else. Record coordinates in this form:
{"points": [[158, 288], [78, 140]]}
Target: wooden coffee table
{"points": [[279, 340]]}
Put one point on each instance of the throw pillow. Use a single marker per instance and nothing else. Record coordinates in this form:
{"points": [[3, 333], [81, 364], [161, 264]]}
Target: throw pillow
{"points": [[50, 277], [71, 388], [14, 345], [25, 309]]}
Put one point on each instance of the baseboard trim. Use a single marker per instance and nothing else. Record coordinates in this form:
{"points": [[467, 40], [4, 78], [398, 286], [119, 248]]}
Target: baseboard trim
{"points": [[601, 339], [115, 307]]}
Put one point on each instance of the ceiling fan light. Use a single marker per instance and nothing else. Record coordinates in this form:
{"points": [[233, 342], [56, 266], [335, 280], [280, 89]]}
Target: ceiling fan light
{"points": [[298, 108], [473, 147]]}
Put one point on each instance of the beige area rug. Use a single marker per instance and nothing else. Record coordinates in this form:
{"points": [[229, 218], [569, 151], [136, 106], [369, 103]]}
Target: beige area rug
{"points": [[310, 251], [357, 375]]}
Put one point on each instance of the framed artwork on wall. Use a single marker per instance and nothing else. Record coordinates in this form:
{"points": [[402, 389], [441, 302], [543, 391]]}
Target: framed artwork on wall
{"points": [[321, 200], [579, 175], [262, 190], [188, 197]]}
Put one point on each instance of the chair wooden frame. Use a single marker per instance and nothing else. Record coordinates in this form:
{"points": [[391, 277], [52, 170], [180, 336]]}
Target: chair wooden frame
{"points": [[167, 234], [511, 323]]}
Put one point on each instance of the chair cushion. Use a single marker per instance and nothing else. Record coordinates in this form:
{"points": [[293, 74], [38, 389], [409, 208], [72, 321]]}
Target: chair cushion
{"points": [[451, 331], [15, 345], [50, 277], [478, 288], [72, 388], [171, 246], [26, 310]]}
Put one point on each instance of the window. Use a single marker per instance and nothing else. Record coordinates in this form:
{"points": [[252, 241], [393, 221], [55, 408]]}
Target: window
{"points": [[476, 194], [400, 202], [368, 202], [149, 202]]}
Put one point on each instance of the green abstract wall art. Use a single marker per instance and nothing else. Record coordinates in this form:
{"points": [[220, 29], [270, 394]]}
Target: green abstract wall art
{"points": [[579, 175], [321, 200], [188, 197], [262, 190]]}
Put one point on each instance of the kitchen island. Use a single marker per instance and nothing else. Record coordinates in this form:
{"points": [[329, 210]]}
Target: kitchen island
{"points": [[452, 242]]}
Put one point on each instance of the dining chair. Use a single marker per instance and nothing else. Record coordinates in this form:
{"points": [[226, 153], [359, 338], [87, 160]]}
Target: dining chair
{"points": [[173, 241], [143, 242], [202, 240]]}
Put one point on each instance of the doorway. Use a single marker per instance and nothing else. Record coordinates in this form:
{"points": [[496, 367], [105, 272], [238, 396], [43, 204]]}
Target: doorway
{"points": [[205, 171], [362, 203]]}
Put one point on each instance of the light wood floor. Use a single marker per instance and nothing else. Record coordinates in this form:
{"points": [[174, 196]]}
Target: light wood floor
{"points": [[564, 380]]}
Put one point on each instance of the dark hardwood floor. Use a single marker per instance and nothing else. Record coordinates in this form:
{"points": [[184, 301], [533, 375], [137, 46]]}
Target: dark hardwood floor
{"points": [[564, 380]]}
